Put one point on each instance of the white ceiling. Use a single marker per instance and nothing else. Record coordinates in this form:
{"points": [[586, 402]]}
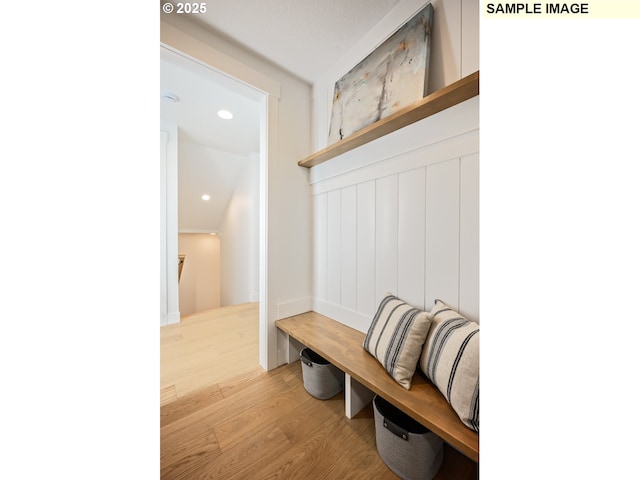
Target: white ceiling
{"points": [[202, 93], [304, 37], [213, 152]]}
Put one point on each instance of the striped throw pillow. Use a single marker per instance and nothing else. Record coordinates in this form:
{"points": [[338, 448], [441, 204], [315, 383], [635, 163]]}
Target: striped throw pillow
{"points": [[396, 336], [450, 359]]}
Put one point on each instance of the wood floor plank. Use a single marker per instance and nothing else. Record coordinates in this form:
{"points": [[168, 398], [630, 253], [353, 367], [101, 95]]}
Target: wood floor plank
{"points": [[234, 384], [353, 452], [236, 429], [311, 413], [208, 347], [168, 395], [247, 462], [190, 404], [262, 425], [184, 450], [215, 413], [308, 455], [168, 339]]}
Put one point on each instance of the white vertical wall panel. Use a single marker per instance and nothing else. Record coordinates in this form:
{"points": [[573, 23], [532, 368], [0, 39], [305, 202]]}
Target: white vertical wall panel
{"points": [[411, 236], [320, 247], [348, 243], [333, 247], [366, 248], [469, 236], [442, 232], [400, 217], [386, 236]]}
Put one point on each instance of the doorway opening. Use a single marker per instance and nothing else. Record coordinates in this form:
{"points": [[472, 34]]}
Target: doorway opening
{"points": [[227, 167]]}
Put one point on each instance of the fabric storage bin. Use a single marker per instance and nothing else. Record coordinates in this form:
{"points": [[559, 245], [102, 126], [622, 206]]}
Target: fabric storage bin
{"points": [[409, 449], [321, 379]]}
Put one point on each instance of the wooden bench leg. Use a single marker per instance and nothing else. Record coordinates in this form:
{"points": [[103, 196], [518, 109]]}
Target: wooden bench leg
{"points": [[356, 396]]}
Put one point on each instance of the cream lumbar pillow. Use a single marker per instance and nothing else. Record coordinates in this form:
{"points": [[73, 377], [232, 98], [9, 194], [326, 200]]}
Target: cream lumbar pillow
{"points": [[450, 359], [396, 336]]}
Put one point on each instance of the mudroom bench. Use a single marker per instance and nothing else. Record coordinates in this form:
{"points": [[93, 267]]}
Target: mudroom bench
{"points": [[365, 377]]}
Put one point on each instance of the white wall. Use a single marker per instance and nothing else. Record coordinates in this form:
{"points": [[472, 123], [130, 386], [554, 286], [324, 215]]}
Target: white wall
{"points": [[199, 285], [454, 52], [400, 214], [203, 169], [239, 239]]}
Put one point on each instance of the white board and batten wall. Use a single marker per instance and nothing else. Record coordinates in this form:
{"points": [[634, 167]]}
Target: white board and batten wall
{"points": [[401, 214]]}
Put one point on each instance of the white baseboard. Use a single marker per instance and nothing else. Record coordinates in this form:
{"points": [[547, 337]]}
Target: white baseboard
{"points": [[350, 318], [294, 307], [173, 318]]}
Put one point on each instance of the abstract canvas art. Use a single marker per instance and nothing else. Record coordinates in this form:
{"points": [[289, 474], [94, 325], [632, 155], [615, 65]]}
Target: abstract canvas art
{"points": [[393, 76]]}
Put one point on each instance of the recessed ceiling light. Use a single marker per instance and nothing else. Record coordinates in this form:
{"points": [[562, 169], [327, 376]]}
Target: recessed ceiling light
{"points": [[205, 197], [225, 114]]}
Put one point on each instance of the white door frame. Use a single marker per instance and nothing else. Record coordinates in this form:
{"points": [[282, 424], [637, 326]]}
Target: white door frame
{"points": [[169, 302], [267, 92]]}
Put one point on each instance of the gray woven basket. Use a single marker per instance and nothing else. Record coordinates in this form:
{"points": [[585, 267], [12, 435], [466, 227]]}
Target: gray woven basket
{"points": [[409, 449], [321, 379]]}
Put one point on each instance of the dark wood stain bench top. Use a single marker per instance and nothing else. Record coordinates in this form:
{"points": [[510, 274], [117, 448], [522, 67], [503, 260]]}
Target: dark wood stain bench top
{"points": [[342, 346]]}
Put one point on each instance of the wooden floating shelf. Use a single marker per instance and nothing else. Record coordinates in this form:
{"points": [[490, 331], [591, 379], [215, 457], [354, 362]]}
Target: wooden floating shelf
{"points": [[464, 89]]}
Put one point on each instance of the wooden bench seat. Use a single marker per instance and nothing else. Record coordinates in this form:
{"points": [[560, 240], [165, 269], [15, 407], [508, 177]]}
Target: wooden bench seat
{"points": [[342, 346]]}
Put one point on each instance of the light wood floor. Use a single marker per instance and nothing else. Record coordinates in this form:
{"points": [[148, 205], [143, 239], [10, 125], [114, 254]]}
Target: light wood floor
{"points": [[227, 424], [206, 348]]}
